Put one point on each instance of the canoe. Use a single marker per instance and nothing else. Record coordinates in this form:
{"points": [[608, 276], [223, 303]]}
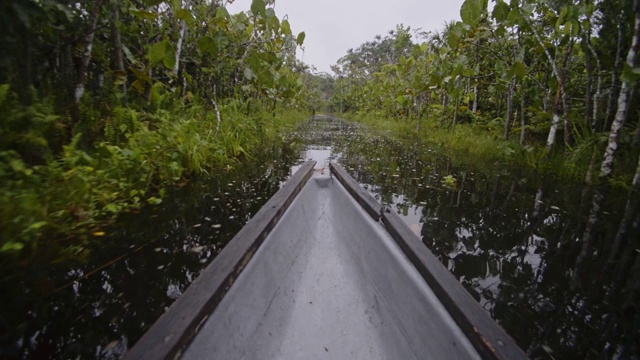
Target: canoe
{"points": [[323, 271]]}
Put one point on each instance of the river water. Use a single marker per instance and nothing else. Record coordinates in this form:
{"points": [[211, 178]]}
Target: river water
{"points": [[512, 239]]}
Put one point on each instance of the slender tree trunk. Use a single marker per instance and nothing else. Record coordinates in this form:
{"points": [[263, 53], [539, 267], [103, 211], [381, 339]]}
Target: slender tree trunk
{"points": [[546, 100], [598, 95], [615, 80], [117, 59], [456, 104], [565, 97], [607, 164], [627, 218], [551, 139], [215, 106], [83, 71], [182, 36], [561, 96], [636, 138], [475, 99], [623, 100], [588, 85], [509, 117], [523, 119]]}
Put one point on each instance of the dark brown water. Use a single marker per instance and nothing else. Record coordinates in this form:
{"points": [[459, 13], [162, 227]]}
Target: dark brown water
{"points": [[510, 237]]}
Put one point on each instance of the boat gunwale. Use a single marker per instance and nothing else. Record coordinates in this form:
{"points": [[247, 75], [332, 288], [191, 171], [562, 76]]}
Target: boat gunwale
{"points": [[487, 337], [176, 327]]}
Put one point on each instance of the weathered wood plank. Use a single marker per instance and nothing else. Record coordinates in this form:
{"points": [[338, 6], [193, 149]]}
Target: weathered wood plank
{"points": [[371, 206], [487, 337], [175, 329]]}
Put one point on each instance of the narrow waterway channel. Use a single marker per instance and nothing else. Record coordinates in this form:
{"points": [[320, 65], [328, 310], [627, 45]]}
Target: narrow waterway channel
{"points": [[510, 237]]}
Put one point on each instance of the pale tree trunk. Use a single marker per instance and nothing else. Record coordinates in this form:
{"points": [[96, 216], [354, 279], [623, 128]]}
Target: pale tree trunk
{"points": [[561, 97], [607, 164], [86, 55], [551, 139], [509, 117], [215, 106], [615, 80], [182, 36], [83, 69]]}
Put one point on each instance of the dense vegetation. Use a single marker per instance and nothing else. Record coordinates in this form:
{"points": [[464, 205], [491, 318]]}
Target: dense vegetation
{"points": [[105, 103], [558, 76], [547, 85]]}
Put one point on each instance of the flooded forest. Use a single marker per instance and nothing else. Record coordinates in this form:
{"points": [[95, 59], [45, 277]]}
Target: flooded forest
{"points": [[137, 137]]}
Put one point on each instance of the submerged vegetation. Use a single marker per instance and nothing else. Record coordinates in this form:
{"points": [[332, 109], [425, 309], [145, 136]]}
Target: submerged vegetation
{"points": [[106, 103]]}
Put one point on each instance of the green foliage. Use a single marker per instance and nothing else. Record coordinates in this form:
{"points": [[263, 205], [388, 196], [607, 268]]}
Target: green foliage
{"points": [[68, 166], [472, 11], [79, 192]]}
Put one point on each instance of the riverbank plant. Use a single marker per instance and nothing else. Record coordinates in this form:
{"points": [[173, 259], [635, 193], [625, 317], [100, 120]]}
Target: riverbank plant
{"points": [[75, 193]]}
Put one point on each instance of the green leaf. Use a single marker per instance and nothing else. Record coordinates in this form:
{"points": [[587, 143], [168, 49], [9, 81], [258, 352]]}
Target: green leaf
{"points": [[300, 38], [153, 2], [207, 44], [258, 7], [500, 12], [518, 70], [154, 200], [36, 226], [286, 28], [471, 12], [129, 55], [222, 13], [157, 52], [12, 246], [162, 52], [169, 61], [630, 74], [184, 14], [143, 14], [452, 40]]}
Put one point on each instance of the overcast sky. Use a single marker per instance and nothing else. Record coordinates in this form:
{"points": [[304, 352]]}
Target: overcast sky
{"points": [[334, 26]]}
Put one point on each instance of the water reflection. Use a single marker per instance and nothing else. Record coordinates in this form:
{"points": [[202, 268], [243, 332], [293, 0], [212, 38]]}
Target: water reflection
{"points": [[135, 273], [510, 237]]}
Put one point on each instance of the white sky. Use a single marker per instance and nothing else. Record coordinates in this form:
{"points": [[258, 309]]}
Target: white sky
{"points": [[334, 26]]}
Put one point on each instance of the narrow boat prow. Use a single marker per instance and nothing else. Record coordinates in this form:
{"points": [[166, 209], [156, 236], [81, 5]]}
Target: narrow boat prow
{"points": [[321, 271]]}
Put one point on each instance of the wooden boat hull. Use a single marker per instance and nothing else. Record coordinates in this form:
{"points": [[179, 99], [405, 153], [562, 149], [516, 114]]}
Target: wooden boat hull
{"points": [[327, 279]]}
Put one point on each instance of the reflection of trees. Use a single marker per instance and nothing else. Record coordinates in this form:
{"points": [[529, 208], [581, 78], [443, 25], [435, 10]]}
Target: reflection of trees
{"points": [[105, 313], [513, 244]]}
